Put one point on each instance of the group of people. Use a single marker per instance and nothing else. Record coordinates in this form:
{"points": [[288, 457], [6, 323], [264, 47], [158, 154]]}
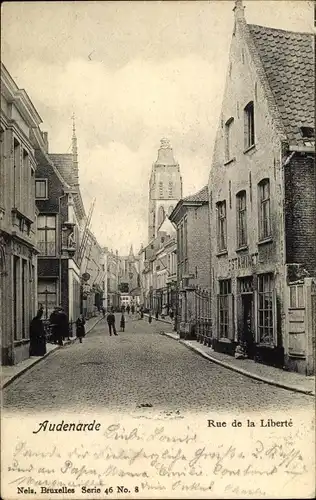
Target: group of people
{"points": [[59, 327]]}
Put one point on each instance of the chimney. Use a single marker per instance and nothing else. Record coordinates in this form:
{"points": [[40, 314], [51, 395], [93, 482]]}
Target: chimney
{"points": [[239, 10], [74, 154]]}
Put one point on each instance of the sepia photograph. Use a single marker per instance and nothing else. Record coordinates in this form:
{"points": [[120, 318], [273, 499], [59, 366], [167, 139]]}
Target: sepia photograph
{"points": [[158, 249]]}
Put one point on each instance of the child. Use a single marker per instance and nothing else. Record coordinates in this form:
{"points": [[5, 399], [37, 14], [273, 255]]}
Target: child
{"points": [[122, 324]]}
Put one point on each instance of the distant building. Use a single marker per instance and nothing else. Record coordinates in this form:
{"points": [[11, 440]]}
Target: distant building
{"points": [[158, 275], [20, 136], [165, 188], [191, 218], [129, 281], [262, 199], [93, 268], [113, 267]]}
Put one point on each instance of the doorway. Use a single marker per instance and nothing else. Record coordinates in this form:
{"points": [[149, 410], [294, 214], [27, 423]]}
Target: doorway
{"points": [[246, 316]]}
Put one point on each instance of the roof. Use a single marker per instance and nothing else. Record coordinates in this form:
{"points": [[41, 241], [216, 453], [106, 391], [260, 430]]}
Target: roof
{"points": [[64, 164], [199, 197], [288, 59]]}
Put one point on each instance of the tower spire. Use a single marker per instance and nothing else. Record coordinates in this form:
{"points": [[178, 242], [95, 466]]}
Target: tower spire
{"points": [[239, 10], [75, 152]]}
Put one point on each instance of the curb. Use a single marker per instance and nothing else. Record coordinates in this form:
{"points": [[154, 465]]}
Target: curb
{"points": [[16, 375], [162, 320], [241, 370]]}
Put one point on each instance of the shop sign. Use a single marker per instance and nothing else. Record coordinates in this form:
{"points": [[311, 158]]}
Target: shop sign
{"points": [[243, 262]]}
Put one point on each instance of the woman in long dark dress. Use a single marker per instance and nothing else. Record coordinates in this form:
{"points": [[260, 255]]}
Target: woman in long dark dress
{"points": [[80, 329], [37, 336]]}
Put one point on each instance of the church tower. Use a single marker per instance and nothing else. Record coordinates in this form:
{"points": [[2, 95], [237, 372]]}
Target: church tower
{"points": [[165, 187]]}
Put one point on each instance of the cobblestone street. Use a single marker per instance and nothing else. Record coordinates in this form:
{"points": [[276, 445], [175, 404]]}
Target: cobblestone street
{"points": [[135, 369]]}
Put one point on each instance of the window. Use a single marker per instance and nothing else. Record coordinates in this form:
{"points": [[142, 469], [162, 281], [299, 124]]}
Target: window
{"points": [[161, 215], [241, 219], [228, 138], [2, 167], [224, 310], [249, 125], [46, 231], [16, 287], [41, 189], [24, 298], [160, 189], [170, 192], [265, 308], [221, 226], [17, 173], [264, 209], [297, 296], [183, 267], [47, 296]]}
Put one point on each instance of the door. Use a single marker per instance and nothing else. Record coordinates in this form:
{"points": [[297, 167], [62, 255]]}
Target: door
{"points": [[248, 326]]}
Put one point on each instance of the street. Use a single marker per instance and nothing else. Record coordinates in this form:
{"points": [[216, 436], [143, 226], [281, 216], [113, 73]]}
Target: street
{"points": [[139, 369]]}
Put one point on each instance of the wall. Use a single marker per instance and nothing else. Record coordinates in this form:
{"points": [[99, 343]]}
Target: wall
{"points": [[199, 245], [300, 211]]}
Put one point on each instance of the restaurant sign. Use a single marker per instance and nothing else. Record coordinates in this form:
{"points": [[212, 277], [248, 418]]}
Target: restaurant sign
{"points": [[243, 261]]}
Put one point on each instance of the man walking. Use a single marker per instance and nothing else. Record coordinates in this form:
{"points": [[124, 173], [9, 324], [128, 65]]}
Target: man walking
{"points": [[111, 322]]}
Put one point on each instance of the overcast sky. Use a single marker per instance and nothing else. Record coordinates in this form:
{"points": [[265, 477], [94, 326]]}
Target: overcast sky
{"points": [[133, 72]]}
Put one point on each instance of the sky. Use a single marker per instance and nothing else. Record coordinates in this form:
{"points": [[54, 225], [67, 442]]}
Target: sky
{"points": [[132, 72]]}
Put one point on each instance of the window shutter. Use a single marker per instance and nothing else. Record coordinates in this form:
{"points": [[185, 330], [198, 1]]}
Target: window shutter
{"points": [[274, 315], [231, 322]]}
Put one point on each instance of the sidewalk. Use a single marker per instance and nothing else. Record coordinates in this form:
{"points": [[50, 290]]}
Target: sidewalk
{"points": [[10, 373], [268, 374]]}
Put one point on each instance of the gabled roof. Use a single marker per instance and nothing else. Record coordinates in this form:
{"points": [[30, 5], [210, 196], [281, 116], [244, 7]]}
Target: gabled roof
{"points": [[64, 164], [200, 196], [198, 199], [288, 60]]}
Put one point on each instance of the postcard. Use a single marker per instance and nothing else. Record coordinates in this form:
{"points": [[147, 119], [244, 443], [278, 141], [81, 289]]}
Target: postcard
{"points": [[157, 250]]}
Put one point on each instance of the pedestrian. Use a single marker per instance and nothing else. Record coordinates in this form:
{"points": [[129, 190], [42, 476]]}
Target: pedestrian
{"points": [[103, 311], [37, 335], [111, 322], [150, 317], [157, 314], [64, 324], [80, 329], [122, 323], [128, 309], [141, 312], [133, 309], [54, 324]]}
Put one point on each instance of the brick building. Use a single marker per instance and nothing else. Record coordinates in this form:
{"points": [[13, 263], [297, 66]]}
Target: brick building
{"points": [[60, 227], [191, 217], [262, 199], [20, 135]]}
